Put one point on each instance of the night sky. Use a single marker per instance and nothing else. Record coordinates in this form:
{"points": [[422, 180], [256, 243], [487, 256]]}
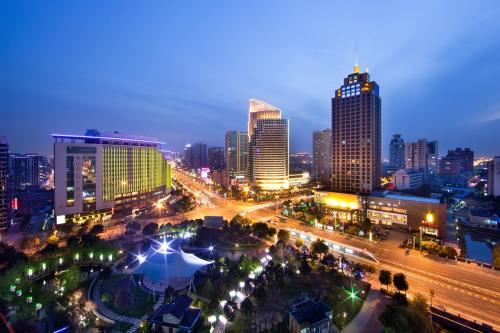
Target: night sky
{"points": [[183, 71]]}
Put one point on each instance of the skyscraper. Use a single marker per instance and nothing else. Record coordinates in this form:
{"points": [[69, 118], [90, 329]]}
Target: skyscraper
{"points": [[237, 153], [356, 132], [4, 199], [432, 158], [397, 152], [216, 158], [27, 171], [494, 176], [465, 158], [98, 175], [195, 156], [322, 156], [268, 166]]}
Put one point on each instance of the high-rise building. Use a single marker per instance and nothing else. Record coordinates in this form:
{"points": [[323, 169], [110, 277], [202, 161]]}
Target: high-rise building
{"points": [[27, 171], [237, 153], [397, 152], [432, 158], [356, 132], [216, 158], [268, 158], [4, 198], [465, 158], [322, 156], [260, 110], [449, 166], [101, 174], [195, 156], [494, 177]]}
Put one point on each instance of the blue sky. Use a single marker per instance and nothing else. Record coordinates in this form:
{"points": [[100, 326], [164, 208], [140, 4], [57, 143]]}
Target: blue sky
{"points": [[183, 71]]}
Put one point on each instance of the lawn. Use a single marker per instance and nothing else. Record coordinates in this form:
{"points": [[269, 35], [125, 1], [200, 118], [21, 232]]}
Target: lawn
{"points": [[137, 300]]}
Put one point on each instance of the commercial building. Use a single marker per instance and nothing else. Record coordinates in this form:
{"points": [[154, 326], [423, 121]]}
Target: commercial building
{"points": [[494, 176], [27, 171], [268, 157], [432, 158], [4, 198], [237, 153], [178, 316], [216, 159], [322, 156], [195, 156], [98, 175], [298, 179], [407, 179], [397, 152], [407, 212], [356, 133], [449, 166]]}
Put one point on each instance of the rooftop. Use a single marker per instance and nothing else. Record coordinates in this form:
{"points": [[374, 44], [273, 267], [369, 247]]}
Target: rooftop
{"points": [[310, 312]]}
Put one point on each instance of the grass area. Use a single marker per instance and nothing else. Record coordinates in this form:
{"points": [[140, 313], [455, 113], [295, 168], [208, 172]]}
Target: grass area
{"points": [[140, 301]]}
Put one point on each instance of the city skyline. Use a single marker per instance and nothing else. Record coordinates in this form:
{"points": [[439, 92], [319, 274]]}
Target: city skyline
{"points": [[418, 61]]}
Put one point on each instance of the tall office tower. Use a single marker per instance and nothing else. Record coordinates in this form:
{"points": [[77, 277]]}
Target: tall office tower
{"points": [[397, 152], [322, 156], [237, 153], [494, 176], [4, 198], [260, 110], [27, 171], [216, 158], [356, 133], [268, 150], [101, 174], [465, 158], [195, 156], [432, 158]]}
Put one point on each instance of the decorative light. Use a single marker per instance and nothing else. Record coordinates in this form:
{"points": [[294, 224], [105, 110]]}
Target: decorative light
{"points": [[211, 248], [91, 255], [77, 256], [101, 257], [269, 257], [222, 319], [240, 295], [141, 258], [44, 266], [30, 272], [251, 276], [242, 284], [267, 250], [60, 261], [223, 303], [212, 319], [110, 257], [232, 293]]}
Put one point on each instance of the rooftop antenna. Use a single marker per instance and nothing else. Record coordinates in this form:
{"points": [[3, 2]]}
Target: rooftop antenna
{"points": [[356, 67]]}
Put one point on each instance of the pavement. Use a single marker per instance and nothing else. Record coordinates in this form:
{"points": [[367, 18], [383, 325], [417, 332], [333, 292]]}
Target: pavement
{"points": [[367, 318]]}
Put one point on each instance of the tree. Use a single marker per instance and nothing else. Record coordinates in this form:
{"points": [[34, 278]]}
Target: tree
{"points": [[366, 225], [319, 247], [150, 229], [385, 277], [330, 261], [97, 229], [260, 230], [284, 235], [271, 232], [400, 282], [247, 307], [208, 290], [299, 243], [369, 269], [449, 252]]}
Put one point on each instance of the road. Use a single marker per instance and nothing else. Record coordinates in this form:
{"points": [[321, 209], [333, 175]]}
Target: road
{"points": [[466, 289]]}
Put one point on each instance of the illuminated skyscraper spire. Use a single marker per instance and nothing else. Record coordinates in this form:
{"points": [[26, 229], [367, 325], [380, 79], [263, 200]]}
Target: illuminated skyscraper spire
{"points": [[356, 67]]}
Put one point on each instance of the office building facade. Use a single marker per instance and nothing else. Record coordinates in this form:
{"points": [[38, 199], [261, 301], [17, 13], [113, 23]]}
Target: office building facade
{"points": [[216, 160], [100, 175], [268, 162], [195, 156], [237, 153], [422, 156], [4, 197], [322, 156], [432, 158], [397, 152], [27, 171], [465, 158], [356, 133], [407, 179]]}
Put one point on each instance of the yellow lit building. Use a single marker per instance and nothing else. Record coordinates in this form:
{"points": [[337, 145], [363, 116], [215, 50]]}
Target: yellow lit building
{"points": [[100, 175]]}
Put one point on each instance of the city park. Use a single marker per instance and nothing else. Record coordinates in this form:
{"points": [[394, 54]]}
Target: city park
{"points": [[244, 277]]}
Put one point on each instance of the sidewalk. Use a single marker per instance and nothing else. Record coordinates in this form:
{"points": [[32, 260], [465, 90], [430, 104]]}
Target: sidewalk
{"points": [[367, 318]]}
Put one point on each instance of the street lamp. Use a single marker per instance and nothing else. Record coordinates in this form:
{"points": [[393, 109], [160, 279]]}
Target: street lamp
{"points": [[232, 293], [211, 320], [242, 284]]}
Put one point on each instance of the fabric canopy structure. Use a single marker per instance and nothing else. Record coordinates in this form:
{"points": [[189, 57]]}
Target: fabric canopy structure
{"points": [[164, 266]]}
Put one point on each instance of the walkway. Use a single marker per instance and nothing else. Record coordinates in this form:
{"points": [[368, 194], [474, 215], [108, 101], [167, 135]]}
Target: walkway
{"points": [[367, 318]]}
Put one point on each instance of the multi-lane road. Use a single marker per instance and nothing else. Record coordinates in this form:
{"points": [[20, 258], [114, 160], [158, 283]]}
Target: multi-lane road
{"points": [[466, 289]]}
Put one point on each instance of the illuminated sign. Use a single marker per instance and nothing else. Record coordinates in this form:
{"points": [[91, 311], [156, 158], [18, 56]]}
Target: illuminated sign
{"points": [[61, 219], [337, 200], [204, 173]]}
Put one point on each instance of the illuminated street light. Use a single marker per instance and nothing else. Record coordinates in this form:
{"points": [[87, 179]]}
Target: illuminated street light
{"points": [[242, 284], [232, 293], [251, 276], [212, 319], [141, 258], [211, 248], [222, 319], [223, 303]]}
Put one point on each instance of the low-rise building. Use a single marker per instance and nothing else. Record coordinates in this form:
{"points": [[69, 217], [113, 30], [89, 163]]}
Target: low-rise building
{"points": [[482, 219], [309, 317], [407, 179], [405, 211], [177, 316], [298, 179]]}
